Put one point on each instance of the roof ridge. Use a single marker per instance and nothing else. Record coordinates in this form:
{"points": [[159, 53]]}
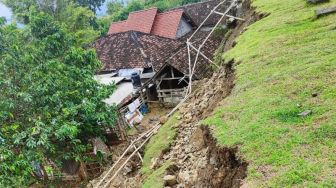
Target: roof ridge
{"points": [[143, 10], [134, 31], [174, 10], [191, 4]]}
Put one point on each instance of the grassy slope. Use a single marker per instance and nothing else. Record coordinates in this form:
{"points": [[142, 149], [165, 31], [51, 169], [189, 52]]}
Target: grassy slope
{"points": [[284, 58], [158, 143]]}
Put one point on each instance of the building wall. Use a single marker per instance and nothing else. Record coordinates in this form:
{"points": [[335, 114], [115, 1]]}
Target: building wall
{"points": [[183, 28]]}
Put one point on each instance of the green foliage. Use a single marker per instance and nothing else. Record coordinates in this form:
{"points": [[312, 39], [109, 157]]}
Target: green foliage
{"points": [[155, 179], [281, 61], [50, 105], [118, 12], [78, 19], [94, 5]]}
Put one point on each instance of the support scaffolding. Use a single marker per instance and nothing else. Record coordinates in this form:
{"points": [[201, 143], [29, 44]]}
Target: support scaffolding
{"points": [[191, 46]]}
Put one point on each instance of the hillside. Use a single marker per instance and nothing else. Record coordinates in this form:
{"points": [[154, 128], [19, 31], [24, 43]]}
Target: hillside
{"points": [[284, 65]]}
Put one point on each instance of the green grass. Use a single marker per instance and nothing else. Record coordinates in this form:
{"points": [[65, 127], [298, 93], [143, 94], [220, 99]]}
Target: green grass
{"points": [[155, 179], [284, 58], [158, 143]]}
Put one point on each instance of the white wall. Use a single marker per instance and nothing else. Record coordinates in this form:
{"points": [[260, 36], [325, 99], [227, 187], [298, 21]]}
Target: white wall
{"points": [[183, 28]]}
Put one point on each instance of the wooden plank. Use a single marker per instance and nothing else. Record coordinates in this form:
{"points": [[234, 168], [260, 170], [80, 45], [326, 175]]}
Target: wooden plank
{"points": [[175, 78], [170, 96], [171, 90]]}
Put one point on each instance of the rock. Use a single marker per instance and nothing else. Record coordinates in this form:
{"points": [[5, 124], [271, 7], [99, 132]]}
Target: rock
{"points": [[305, 113], [315, 94], [325, 11], [163, 120], [202, 163], [184, 176], [316, 1], [213, 161], [128, 168], [170, 180]]}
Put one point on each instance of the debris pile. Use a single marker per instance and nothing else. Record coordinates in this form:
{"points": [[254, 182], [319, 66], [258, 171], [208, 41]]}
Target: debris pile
{"points": [[194, 155]]}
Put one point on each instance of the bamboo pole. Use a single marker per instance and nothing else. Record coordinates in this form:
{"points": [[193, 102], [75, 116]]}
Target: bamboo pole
{"points": [[114, 165], [206, 19], [206, 39], [122, 166], [122, 156], [138, 153]]}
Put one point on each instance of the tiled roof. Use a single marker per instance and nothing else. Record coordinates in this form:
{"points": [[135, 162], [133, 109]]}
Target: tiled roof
{"points": [[118, 27], [151, 22], [199, 11], [141, 20], [137, 21], [139, 50], [167, 23], [180, 59], [134, 50]]}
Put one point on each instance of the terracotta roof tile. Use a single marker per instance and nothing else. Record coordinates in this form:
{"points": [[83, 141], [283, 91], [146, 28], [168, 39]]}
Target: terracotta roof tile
{"points": [[134, 50], [118, 27], [141, 20], [138, 50], [167, 23]]}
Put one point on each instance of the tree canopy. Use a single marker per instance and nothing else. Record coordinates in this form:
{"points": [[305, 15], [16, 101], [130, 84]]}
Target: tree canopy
{"points": [[77, 16], [50, 105]]}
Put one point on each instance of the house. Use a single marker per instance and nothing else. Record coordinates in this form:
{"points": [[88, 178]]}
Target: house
{"points": [[154, 42]]}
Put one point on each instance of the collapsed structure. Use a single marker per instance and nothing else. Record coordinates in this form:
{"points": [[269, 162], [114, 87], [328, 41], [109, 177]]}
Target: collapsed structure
{"points": [[152, 49]]}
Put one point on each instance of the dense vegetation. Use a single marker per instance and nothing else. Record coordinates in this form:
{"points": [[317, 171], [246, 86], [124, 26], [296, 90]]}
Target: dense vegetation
{"points": [[287, 66], [50, 105]]}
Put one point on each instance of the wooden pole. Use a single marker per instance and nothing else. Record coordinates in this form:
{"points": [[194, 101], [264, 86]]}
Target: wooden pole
{"points": [[122, 166], [138, 153], [206, 20], [114, 165]]}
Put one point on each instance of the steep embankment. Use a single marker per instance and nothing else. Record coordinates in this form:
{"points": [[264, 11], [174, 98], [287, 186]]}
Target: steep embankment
{"points": [[287, 65]]}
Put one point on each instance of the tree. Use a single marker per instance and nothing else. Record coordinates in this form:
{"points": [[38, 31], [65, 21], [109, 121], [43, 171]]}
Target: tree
{"points": [[50, 105], [94, 5], [78, 19]]}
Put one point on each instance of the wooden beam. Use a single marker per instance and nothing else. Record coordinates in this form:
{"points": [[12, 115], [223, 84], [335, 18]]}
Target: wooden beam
{"points": [[206, 19], [138, 153], [222, 14], [193, 47], [175, 78], [172, 72]]}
